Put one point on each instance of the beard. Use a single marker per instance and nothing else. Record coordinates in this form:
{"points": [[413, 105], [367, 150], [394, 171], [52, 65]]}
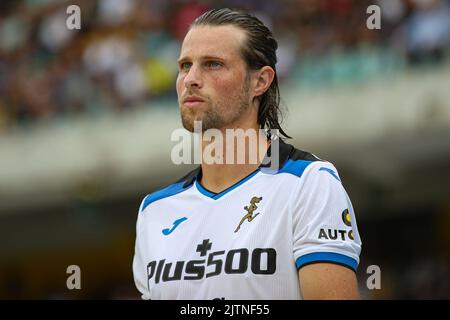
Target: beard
{"points": [[217, 115], [209, 116]]}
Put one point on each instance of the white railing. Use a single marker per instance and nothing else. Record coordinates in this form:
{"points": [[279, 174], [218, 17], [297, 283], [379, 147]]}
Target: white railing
{"points": [[124, 154]]}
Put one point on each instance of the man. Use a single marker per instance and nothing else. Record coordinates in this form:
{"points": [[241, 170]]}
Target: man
{"points": [[238, 231]]}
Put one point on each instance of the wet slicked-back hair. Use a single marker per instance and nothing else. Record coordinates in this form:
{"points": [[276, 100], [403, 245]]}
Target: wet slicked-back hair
{"points": [[259, 50]]}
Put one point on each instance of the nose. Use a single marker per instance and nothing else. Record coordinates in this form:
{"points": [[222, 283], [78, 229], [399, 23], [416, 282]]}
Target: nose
{"points": [[193, 78]]}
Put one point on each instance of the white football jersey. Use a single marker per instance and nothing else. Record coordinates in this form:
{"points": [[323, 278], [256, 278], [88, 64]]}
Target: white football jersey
{"points": [[248, 241]]}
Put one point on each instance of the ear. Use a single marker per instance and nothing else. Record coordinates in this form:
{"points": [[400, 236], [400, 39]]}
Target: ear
{"points": [[262, 80]]}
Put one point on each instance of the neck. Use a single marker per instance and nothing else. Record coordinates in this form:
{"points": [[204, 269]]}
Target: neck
{"points": [[237, 155]]}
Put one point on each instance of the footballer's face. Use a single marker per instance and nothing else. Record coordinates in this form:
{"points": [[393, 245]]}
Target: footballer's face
{"points": [[213, 82]]}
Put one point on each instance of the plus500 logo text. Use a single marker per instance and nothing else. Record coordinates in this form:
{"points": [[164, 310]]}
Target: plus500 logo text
{"points": [[236, 261]]}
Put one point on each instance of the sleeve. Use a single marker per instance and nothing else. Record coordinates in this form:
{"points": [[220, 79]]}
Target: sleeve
{"points": [[139, 268], [324, 224]]}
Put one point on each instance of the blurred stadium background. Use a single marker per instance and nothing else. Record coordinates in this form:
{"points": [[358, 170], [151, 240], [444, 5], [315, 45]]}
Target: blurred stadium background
{"points": [[86, 117]]}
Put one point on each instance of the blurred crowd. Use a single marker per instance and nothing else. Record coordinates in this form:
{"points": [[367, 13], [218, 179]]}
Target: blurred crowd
{"points": [[124, 56], [420, 276]]}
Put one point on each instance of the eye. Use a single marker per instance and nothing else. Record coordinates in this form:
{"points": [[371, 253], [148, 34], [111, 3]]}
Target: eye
{"points": [[185, 66], [213, 64]]}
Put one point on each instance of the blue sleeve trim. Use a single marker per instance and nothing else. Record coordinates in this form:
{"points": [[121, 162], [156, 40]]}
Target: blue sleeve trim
{"points": [[295, 167], [326, 257], [164, 193]]}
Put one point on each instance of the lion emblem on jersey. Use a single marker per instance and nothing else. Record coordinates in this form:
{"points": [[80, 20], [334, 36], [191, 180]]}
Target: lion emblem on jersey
{"points": [[250, 209]]}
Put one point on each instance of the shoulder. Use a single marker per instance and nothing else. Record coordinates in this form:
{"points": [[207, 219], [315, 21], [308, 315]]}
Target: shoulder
{"points": [[313, 180], [177, 187], [300, 163]]}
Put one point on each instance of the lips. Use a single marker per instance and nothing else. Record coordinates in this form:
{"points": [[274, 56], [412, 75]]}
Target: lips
{"points": [[192, 101]]}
